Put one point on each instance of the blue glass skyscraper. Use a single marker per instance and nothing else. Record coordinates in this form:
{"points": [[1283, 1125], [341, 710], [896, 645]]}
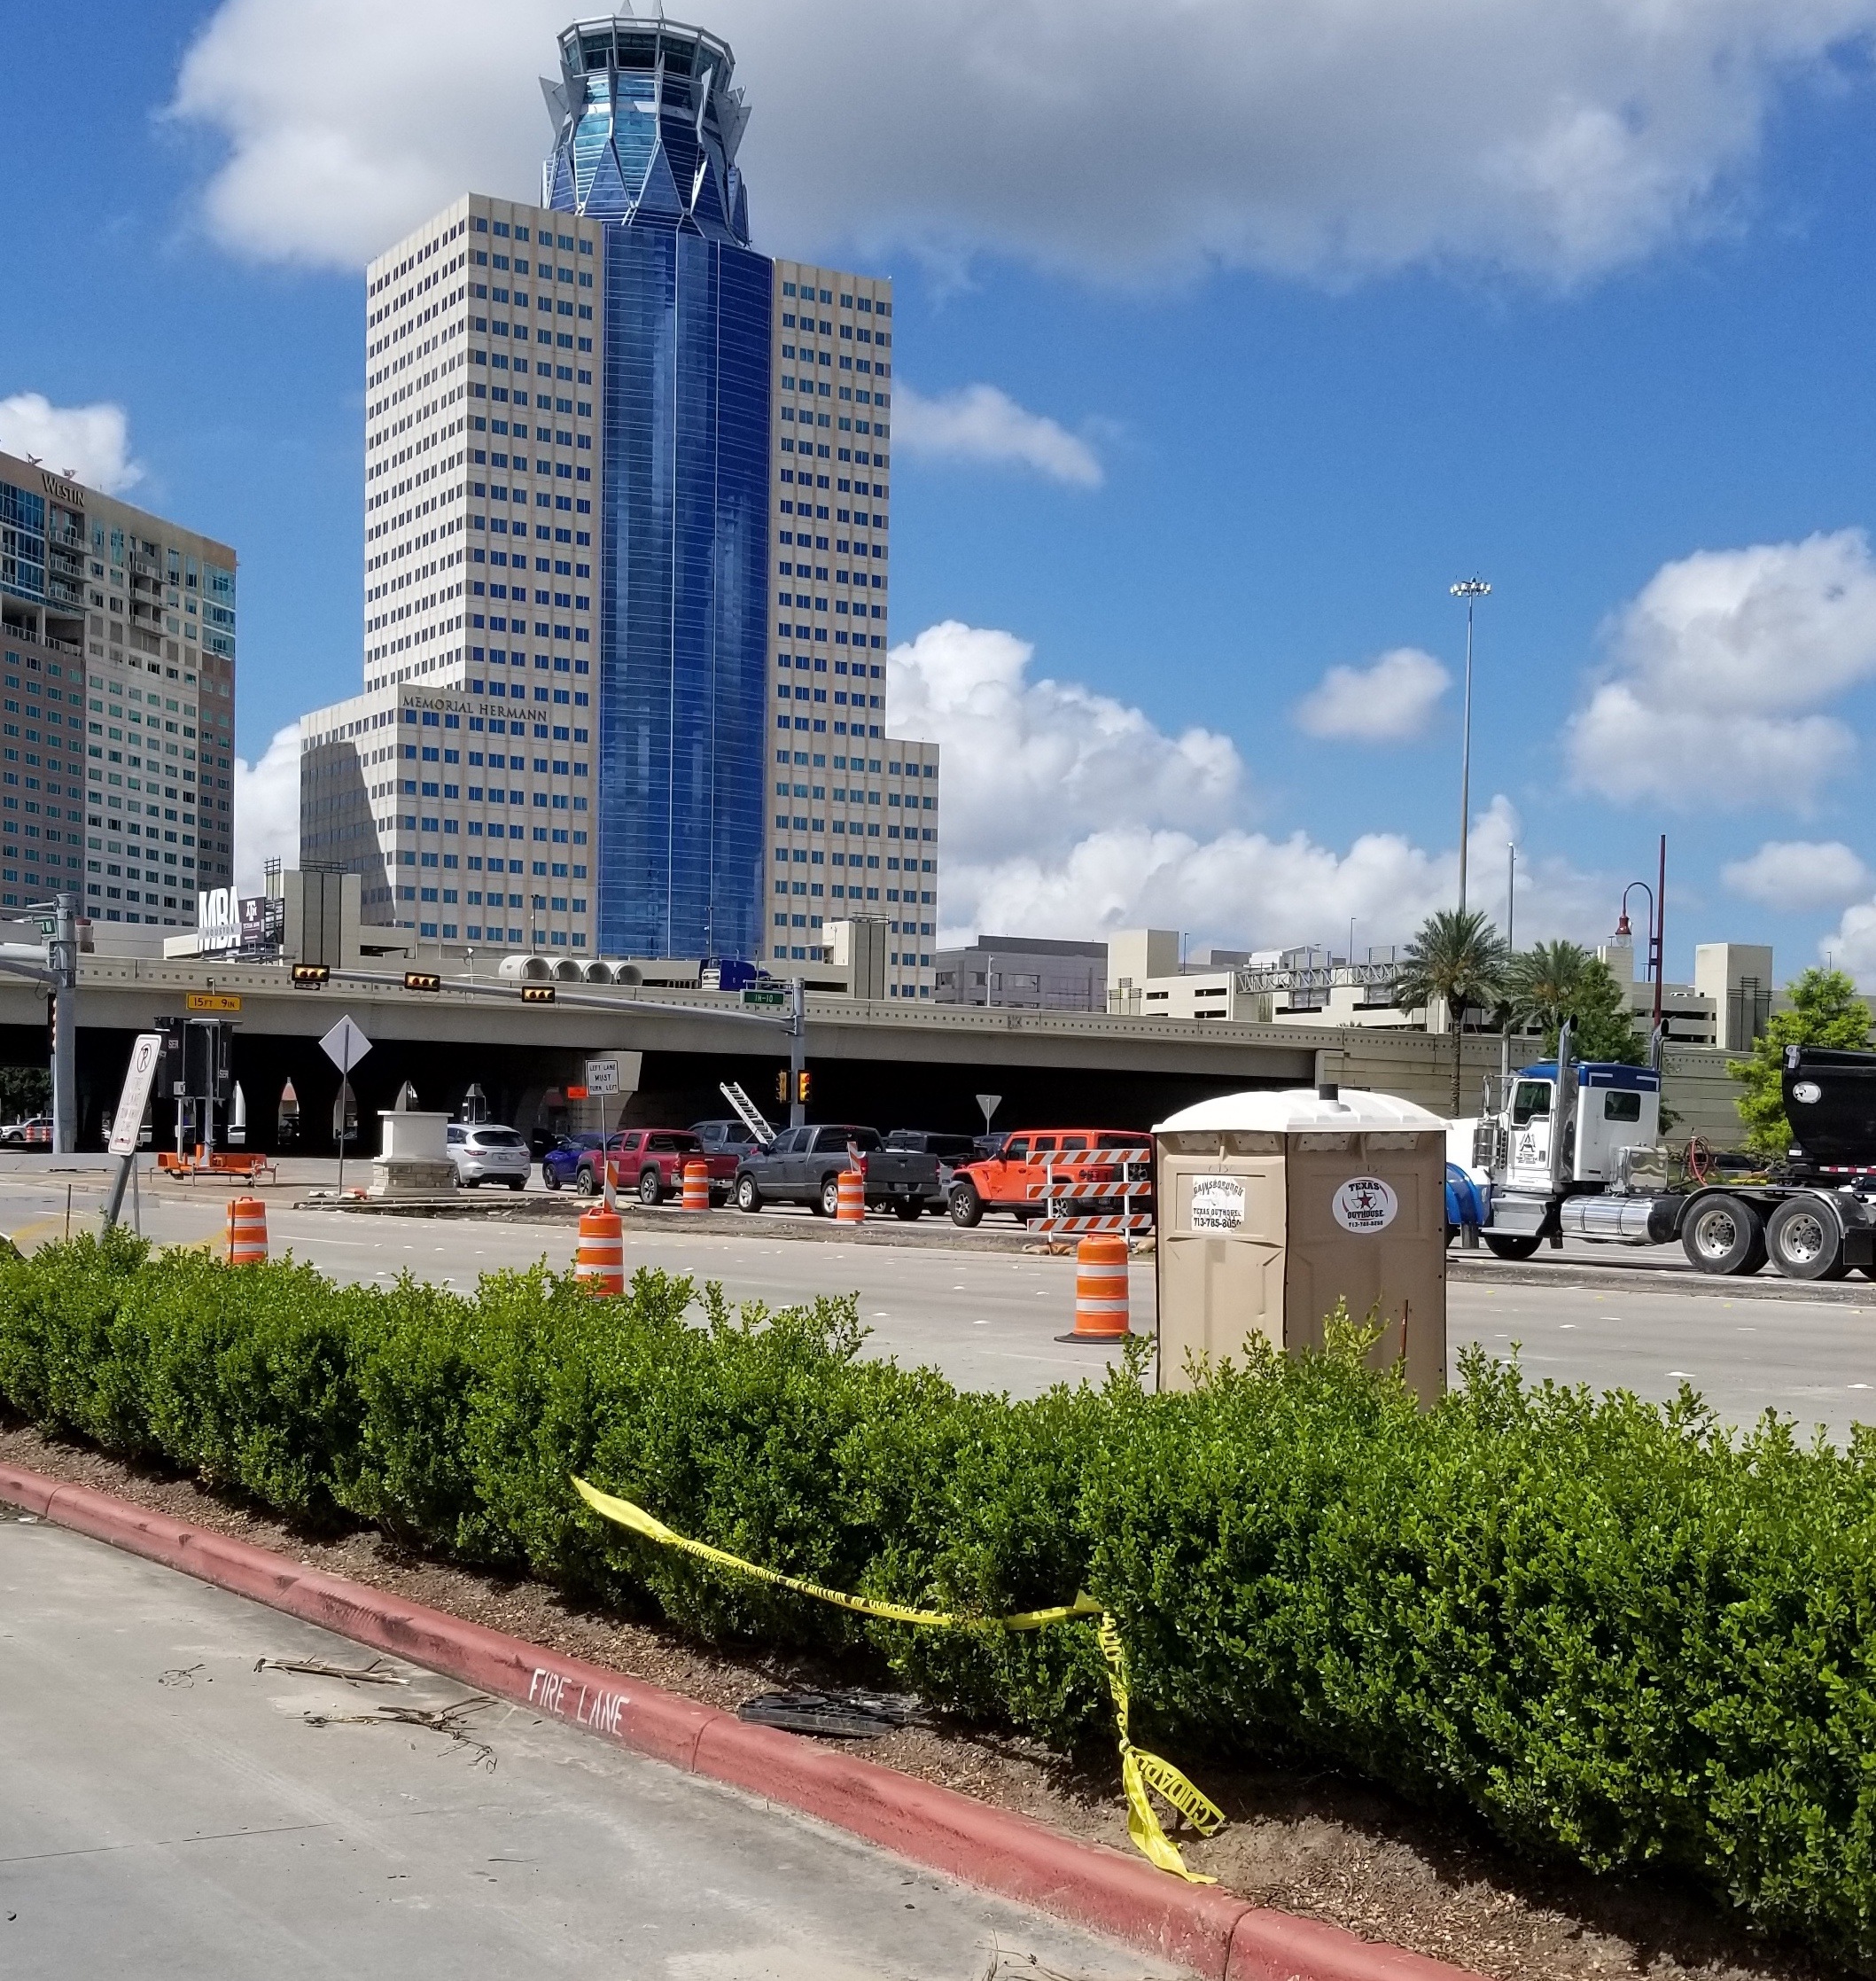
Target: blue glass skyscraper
{"points": [[648, 125], [627, 522]]}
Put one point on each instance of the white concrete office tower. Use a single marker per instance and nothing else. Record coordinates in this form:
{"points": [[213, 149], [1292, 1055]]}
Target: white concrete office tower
{"points": [[475, 727], [853, 828], [105, 604]]}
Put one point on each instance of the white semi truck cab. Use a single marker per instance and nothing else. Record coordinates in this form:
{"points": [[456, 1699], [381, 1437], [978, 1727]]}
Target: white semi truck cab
{"points": [[1572, 1150]]}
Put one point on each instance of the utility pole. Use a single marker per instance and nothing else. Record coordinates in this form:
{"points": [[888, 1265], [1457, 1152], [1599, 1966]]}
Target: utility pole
{"points": [[797, 1050], [1471, 589]]}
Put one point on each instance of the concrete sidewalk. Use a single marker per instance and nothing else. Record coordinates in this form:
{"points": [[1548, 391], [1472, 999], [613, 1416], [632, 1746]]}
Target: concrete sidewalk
{"points": [[173, 1812]]}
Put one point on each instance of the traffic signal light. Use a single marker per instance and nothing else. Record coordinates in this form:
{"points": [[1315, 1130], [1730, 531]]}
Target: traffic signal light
{"points": [[782, 1085], [422, 981], [310, 976], [801, 1085], [537, 994]]}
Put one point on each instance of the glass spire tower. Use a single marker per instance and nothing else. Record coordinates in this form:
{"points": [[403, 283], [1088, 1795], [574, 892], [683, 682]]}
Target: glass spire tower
{"points": [[626, 518], [647, 124]]}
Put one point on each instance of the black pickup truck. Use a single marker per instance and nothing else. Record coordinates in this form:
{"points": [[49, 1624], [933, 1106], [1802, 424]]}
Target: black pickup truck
{"points": [[803, 1166]]}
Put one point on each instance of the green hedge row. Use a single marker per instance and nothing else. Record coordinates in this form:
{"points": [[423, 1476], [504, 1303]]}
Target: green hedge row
{"points": [[1617, 1635]]}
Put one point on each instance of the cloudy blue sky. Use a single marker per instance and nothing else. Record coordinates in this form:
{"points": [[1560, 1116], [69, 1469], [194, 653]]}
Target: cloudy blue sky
{"points": [[1223, 349]]}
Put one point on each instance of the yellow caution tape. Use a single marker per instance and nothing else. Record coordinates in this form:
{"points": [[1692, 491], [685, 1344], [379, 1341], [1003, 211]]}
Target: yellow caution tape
{"points": [[1139, 1771], [642, 1523]]}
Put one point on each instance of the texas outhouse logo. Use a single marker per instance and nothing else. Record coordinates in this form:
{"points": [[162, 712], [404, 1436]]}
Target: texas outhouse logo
{"points": [[1365, 1205]]}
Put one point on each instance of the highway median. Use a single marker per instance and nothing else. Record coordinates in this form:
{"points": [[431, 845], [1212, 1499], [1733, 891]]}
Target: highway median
{"points": [[1616, 1636]]}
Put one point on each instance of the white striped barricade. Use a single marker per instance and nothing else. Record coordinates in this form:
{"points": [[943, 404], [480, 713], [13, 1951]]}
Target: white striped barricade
{"points": [[1102, 1192]]}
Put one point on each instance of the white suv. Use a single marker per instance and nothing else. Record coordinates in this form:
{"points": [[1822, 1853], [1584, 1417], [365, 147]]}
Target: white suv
{"points": [[483, 1153]]}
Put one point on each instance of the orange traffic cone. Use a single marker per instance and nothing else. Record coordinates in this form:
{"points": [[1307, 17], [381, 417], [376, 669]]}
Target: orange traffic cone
{"points": [[599, 1265], [1101, 1290], [696, 1186], [851, 1207], [246, 1231]]}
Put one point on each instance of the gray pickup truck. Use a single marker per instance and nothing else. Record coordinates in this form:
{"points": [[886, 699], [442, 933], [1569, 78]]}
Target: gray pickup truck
{"points": [[803, 1166]]}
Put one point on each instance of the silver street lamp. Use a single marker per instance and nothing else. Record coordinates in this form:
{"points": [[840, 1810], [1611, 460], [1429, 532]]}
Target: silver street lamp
{"points": [[1471, 589]]}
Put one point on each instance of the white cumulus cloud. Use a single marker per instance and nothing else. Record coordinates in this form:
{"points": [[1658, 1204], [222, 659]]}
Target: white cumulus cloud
{"points": [[1387, 702], [91, 444], [1851, 945], [266, 809], [982, 424], [1718, 669], [1325, 142], [1791, 876], [1068, 812]]}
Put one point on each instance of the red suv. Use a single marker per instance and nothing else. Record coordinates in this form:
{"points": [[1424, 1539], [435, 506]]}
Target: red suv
{"points": [[1013, 1179], [651, 1161]]}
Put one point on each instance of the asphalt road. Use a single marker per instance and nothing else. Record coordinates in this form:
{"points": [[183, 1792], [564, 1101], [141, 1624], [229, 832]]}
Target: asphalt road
{"points": [[172, 1812], [989, 1319]]}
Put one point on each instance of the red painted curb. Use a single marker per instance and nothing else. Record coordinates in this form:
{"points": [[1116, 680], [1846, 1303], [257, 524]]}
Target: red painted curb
{"points": [[1209, 1930]]}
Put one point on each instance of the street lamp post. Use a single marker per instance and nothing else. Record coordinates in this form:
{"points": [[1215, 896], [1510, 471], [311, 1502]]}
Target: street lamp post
{"points": [[1657, 922], [1471, 589], [1622, 927]]}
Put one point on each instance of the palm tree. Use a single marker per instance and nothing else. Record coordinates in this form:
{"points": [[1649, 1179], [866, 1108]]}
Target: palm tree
{"points": [[1553, 981], [1546, 983], [1460, 959]]}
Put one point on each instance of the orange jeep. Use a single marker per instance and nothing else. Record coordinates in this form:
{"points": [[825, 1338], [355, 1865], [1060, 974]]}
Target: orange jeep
{"points": [[1013, 1179]]}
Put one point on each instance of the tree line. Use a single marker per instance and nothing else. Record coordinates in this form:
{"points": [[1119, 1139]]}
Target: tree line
{"points": [[1459, 958]]}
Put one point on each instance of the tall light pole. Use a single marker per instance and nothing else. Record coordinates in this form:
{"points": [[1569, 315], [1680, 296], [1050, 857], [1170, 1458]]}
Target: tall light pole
{"points": [[1511, 922], [1471, 589]]}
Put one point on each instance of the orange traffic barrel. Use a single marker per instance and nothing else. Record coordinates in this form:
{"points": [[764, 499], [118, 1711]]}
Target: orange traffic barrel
{"points": [[850, 1205], [600, 1263], [1101, 1290], [246, 1231], [696, 1186]]}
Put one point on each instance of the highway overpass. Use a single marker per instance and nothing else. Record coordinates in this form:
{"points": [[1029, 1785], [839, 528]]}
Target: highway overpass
{"points": [[884, 1062]]}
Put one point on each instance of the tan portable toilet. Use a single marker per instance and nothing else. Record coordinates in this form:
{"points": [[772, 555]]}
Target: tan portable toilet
{"points": [[1274, 1206]]}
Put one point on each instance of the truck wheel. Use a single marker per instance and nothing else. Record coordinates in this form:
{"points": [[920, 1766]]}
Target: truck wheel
{"points": [[586, 1181], [650, 1187], [1510, 1245], [907, 1209], [827, 1203], [1804, 1240], [748, 1197], [1724, 1235], [967, 1207]]}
